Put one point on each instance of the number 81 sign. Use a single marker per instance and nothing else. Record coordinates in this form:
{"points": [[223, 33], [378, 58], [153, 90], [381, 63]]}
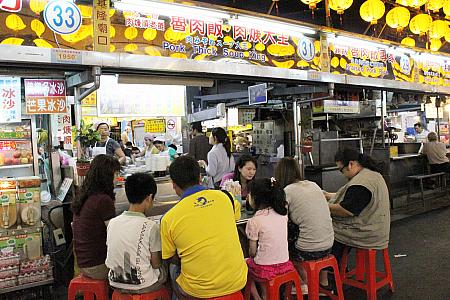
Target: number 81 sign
{"points": [[305, 49], [62, 16]]}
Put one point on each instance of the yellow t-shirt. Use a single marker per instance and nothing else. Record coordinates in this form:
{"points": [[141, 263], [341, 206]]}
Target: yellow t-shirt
{"points": [[202, 230]]}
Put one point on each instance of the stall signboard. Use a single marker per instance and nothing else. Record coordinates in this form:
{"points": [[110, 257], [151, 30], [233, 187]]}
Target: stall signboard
{"points": [[155, 125], [340, 106], [45, 96], [101, 23], [10, 104], [433, 72], [371, 62], [90, 100], [155, 34], [139, 100], [65, 130]]}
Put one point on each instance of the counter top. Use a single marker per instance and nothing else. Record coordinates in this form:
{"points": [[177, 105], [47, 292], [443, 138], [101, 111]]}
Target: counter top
{"points": [[405, 156]]}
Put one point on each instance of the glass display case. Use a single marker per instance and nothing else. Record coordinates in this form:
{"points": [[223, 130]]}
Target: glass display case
{"points": [[16, 149]]}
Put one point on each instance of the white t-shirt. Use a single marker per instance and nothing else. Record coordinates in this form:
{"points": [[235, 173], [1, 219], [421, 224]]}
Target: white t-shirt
{"points": [[309, 209], [130, 239]]}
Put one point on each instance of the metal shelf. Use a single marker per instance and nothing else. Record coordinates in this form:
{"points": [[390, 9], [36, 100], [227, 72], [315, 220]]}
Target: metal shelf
{"points": [[26, 286], [16, 139], [16, 166]]}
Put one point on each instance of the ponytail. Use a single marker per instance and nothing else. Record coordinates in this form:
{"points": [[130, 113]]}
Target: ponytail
{"points": [[266, 192], [221, 136]]}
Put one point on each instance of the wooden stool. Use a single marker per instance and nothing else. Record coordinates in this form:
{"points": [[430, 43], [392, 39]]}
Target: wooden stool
{"points": [[313, 268], [365, 272], [162, 293], [273, 286], [88, 287]]}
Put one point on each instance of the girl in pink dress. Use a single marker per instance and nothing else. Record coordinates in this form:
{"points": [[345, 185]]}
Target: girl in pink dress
{"points": [[267, 233]]}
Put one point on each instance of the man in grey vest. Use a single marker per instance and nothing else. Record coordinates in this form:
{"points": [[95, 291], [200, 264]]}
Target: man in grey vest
{"points": [[360, 209]]}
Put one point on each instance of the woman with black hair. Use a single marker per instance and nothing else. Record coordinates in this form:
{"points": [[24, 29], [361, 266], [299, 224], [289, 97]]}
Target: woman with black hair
{"points": [[360, 209], [220, 160], [92, 211], [107, 145], [244, 173]]}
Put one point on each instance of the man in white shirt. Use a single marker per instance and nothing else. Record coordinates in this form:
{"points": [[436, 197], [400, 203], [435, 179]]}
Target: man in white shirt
{"points": [[421, 133]]}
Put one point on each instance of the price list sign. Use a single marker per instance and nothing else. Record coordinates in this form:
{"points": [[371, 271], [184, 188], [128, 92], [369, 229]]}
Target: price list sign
{"points": [[155, 125], [10, 100], [45, 96]]}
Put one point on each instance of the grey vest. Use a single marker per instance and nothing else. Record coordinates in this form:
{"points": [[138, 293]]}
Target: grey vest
{"points": [[370, 229]]}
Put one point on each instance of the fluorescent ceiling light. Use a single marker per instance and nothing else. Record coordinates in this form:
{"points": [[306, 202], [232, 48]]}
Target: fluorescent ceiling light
{"points": [[271, 26], [170, 9], [352, 42]]}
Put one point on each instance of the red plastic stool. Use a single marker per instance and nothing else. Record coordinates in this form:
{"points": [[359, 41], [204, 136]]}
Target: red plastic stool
{"points": [[89, 287], [235, 296], [273, 286], [162, 293], [365, 273], [313, 268]]}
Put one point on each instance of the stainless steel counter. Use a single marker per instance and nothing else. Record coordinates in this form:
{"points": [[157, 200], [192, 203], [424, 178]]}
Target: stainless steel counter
{"points": [[405, 156]]}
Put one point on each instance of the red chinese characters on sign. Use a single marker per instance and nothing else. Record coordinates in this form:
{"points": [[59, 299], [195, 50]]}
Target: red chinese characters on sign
{"points": [[198, 26], [255, 35], [139, 22], [214, 29], [8, 145], [178, 24], [44, 96], [11, 5], [65, 130], [239, 32]]}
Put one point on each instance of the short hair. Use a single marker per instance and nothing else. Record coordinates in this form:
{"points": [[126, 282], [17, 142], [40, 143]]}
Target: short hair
{"points": [[185, 172], [418, 124], [432, 137], [173, 147], [197, 126], [135, 149], [128, 144], [102, 123], [139, 186]]}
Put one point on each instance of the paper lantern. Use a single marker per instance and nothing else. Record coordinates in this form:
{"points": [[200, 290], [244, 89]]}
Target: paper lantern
{"points": [[86, 11], [407, 41], [402, 2], [435, 44], [447, 36], [42, 43], [12, 41], [398, 18], [420, 24], [416, 3], [371, 11], [340, 5], [131, 33], [14, 22], [435, 5], [438, 29], [38, 5], [446, 9], [150, 34], [311, 3], [37, 27], [112, 32]]}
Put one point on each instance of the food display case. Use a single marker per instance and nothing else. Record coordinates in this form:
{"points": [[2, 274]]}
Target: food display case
{"points": [[17, 149]]}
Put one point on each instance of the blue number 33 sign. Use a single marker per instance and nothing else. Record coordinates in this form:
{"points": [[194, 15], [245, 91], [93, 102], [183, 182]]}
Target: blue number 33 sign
{"points": [[62, 16]]}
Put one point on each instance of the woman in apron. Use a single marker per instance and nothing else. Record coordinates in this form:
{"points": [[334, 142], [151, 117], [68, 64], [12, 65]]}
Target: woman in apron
{"points": [[106, 145]]}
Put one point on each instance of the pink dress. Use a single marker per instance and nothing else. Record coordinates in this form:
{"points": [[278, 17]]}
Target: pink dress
{"points": [[272, 256]]}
